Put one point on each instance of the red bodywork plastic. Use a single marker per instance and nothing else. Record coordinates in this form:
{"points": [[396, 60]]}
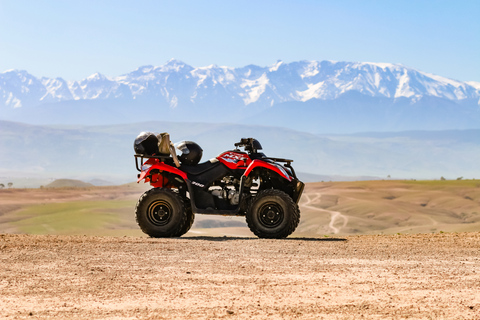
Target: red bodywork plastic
{"points": [[240, 160], [235, 160], [259, 163], [157, 180]]}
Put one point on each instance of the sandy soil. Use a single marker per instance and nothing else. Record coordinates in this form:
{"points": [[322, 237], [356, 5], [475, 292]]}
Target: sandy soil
{"points": [[382, 277]]}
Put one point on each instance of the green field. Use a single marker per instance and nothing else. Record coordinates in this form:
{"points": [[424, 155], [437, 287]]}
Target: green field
{"points": [[78, 217]]}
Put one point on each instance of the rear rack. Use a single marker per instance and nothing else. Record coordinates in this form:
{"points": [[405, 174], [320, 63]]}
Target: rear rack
{"points": [[142, 156]]}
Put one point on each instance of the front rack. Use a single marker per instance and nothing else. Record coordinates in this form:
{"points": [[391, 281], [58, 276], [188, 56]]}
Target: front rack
{"points": [[288, 164], [288, 161]]}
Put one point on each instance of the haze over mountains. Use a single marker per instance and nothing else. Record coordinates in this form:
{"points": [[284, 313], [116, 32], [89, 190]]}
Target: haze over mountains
{"points": [[106, 152], [310, 111], [325, 96]]}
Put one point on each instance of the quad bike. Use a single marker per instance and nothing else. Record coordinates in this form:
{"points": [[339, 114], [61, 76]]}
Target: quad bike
{"points": [[235, 183]]}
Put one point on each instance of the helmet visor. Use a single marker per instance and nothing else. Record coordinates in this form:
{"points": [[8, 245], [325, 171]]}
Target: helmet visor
{"points": [[182, 146]]}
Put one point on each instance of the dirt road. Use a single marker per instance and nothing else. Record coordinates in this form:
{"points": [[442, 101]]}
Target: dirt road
{"points": [[335, 215], [384, 277]]}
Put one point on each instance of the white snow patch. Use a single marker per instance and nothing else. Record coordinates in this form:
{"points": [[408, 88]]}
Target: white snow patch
{"points": [[193, 96], [474, 84], [201, 78], [311, 70], [442, 80], [96, 77], [174, 102], [13, 101], [403, 89], [275, 66], [136, 89], [380, 65], [377, 79], [314, 91], [257, 87], [11, 70]]}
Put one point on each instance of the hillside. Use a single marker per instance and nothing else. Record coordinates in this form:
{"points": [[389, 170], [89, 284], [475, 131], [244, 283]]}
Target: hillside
{"points": [[68, 183], [390, 207], [106, 152], [327, 209]]}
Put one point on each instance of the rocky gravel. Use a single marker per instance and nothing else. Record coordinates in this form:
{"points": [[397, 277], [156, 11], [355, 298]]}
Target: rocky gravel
{"points": [[422, 276]]}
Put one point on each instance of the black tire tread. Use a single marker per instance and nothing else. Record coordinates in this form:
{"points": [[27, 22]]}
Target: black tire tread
{"points": [[189, 220], [145, 228], [289, 228]]}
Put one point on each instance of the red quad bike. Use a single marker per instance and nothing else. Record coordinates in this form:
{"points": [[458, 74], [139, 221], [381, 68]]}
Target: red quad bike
{"points": [[265, 190]]}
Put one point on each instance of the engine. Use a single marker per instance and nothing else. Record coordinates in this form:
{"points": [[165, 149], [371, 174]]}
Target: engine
{"points": [[227, 189]]}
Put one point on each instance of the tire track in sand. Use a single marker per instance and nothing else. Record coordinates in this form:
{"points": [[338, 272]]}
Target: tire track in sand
{"points": [[334, 215]]}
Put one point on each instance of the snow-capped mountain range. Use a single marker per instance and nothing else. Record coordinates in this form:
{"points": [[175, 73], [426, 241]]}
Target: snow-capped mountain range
{"points": [[312, 96], [177, 83]]}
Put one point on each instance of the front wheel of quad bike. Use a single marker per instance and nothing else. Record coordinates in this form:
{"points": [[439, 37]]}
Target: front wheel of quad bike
{"points": [[160, 213], [273, 214]]}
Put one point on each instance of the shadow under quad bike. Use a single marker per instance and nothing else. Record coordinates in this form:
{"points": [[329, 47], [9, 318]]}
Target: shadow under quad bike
{"points": [[246, 183]]}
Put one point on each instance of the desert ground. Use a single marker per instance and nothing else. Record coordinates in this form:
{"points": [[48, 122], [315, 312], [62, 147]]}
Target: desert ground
{"points": [[425, 276], [377, 249]]}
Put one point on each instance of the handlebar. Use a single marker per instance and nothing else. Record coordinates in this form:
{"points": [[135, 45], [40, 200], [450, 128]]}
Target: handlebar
{"points": [[243, 142]]}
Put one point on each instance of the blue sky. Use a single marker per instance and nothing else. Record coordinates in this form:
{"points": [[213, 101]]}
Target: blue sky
{"points": [[74, 39]]}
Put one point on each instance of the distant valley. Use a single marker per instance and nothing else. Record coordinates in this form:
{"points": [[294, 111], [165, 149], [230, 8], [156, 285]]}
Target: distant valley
{"points": [[106, 152], [328, 209]]}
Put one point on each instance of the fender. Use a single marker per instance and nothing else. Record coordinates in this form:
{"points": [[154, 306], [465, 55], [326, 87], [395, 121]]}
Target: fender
{"points": [[259, 163], [161, 167]]}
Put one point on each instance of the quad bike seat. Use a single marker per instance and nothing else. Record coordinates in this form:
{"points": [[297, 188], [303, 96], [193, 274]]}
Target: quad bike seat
{"points": [[199, 168]]}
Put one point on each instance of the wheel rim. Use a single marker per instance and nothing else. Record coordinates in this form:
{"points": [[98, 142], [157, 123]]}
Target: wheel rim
{"points": [[271, 214], [159, 212]]}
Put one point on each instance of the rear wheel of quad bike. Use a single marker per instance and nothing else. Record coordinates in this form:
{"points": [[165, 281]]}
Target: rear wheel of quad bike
{"points": [[189, 222], [160, 213], [273, 214]]}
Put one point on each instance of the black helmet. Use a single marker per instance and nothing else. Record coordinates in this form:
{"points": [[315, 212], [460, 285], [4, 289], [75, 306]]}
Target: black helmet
{"points": [[191, 152], [146, 143]]}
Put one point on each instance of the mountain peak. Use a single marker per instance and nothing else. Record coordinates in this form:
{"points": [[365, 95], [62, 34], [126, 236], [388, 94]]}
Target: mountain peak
{"points": [[13, 71], [381, 65], [97, 76], [175, 65], [275, 66], [16, 73], [145, 69], [474, 84]]}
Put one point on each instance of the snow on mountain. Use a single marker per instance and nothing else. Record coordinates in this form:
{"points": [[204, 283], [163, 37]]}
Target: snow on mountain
{"points": [[57, 90], [474, 84], [328, 80], [178, 84], [19, 87]]}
